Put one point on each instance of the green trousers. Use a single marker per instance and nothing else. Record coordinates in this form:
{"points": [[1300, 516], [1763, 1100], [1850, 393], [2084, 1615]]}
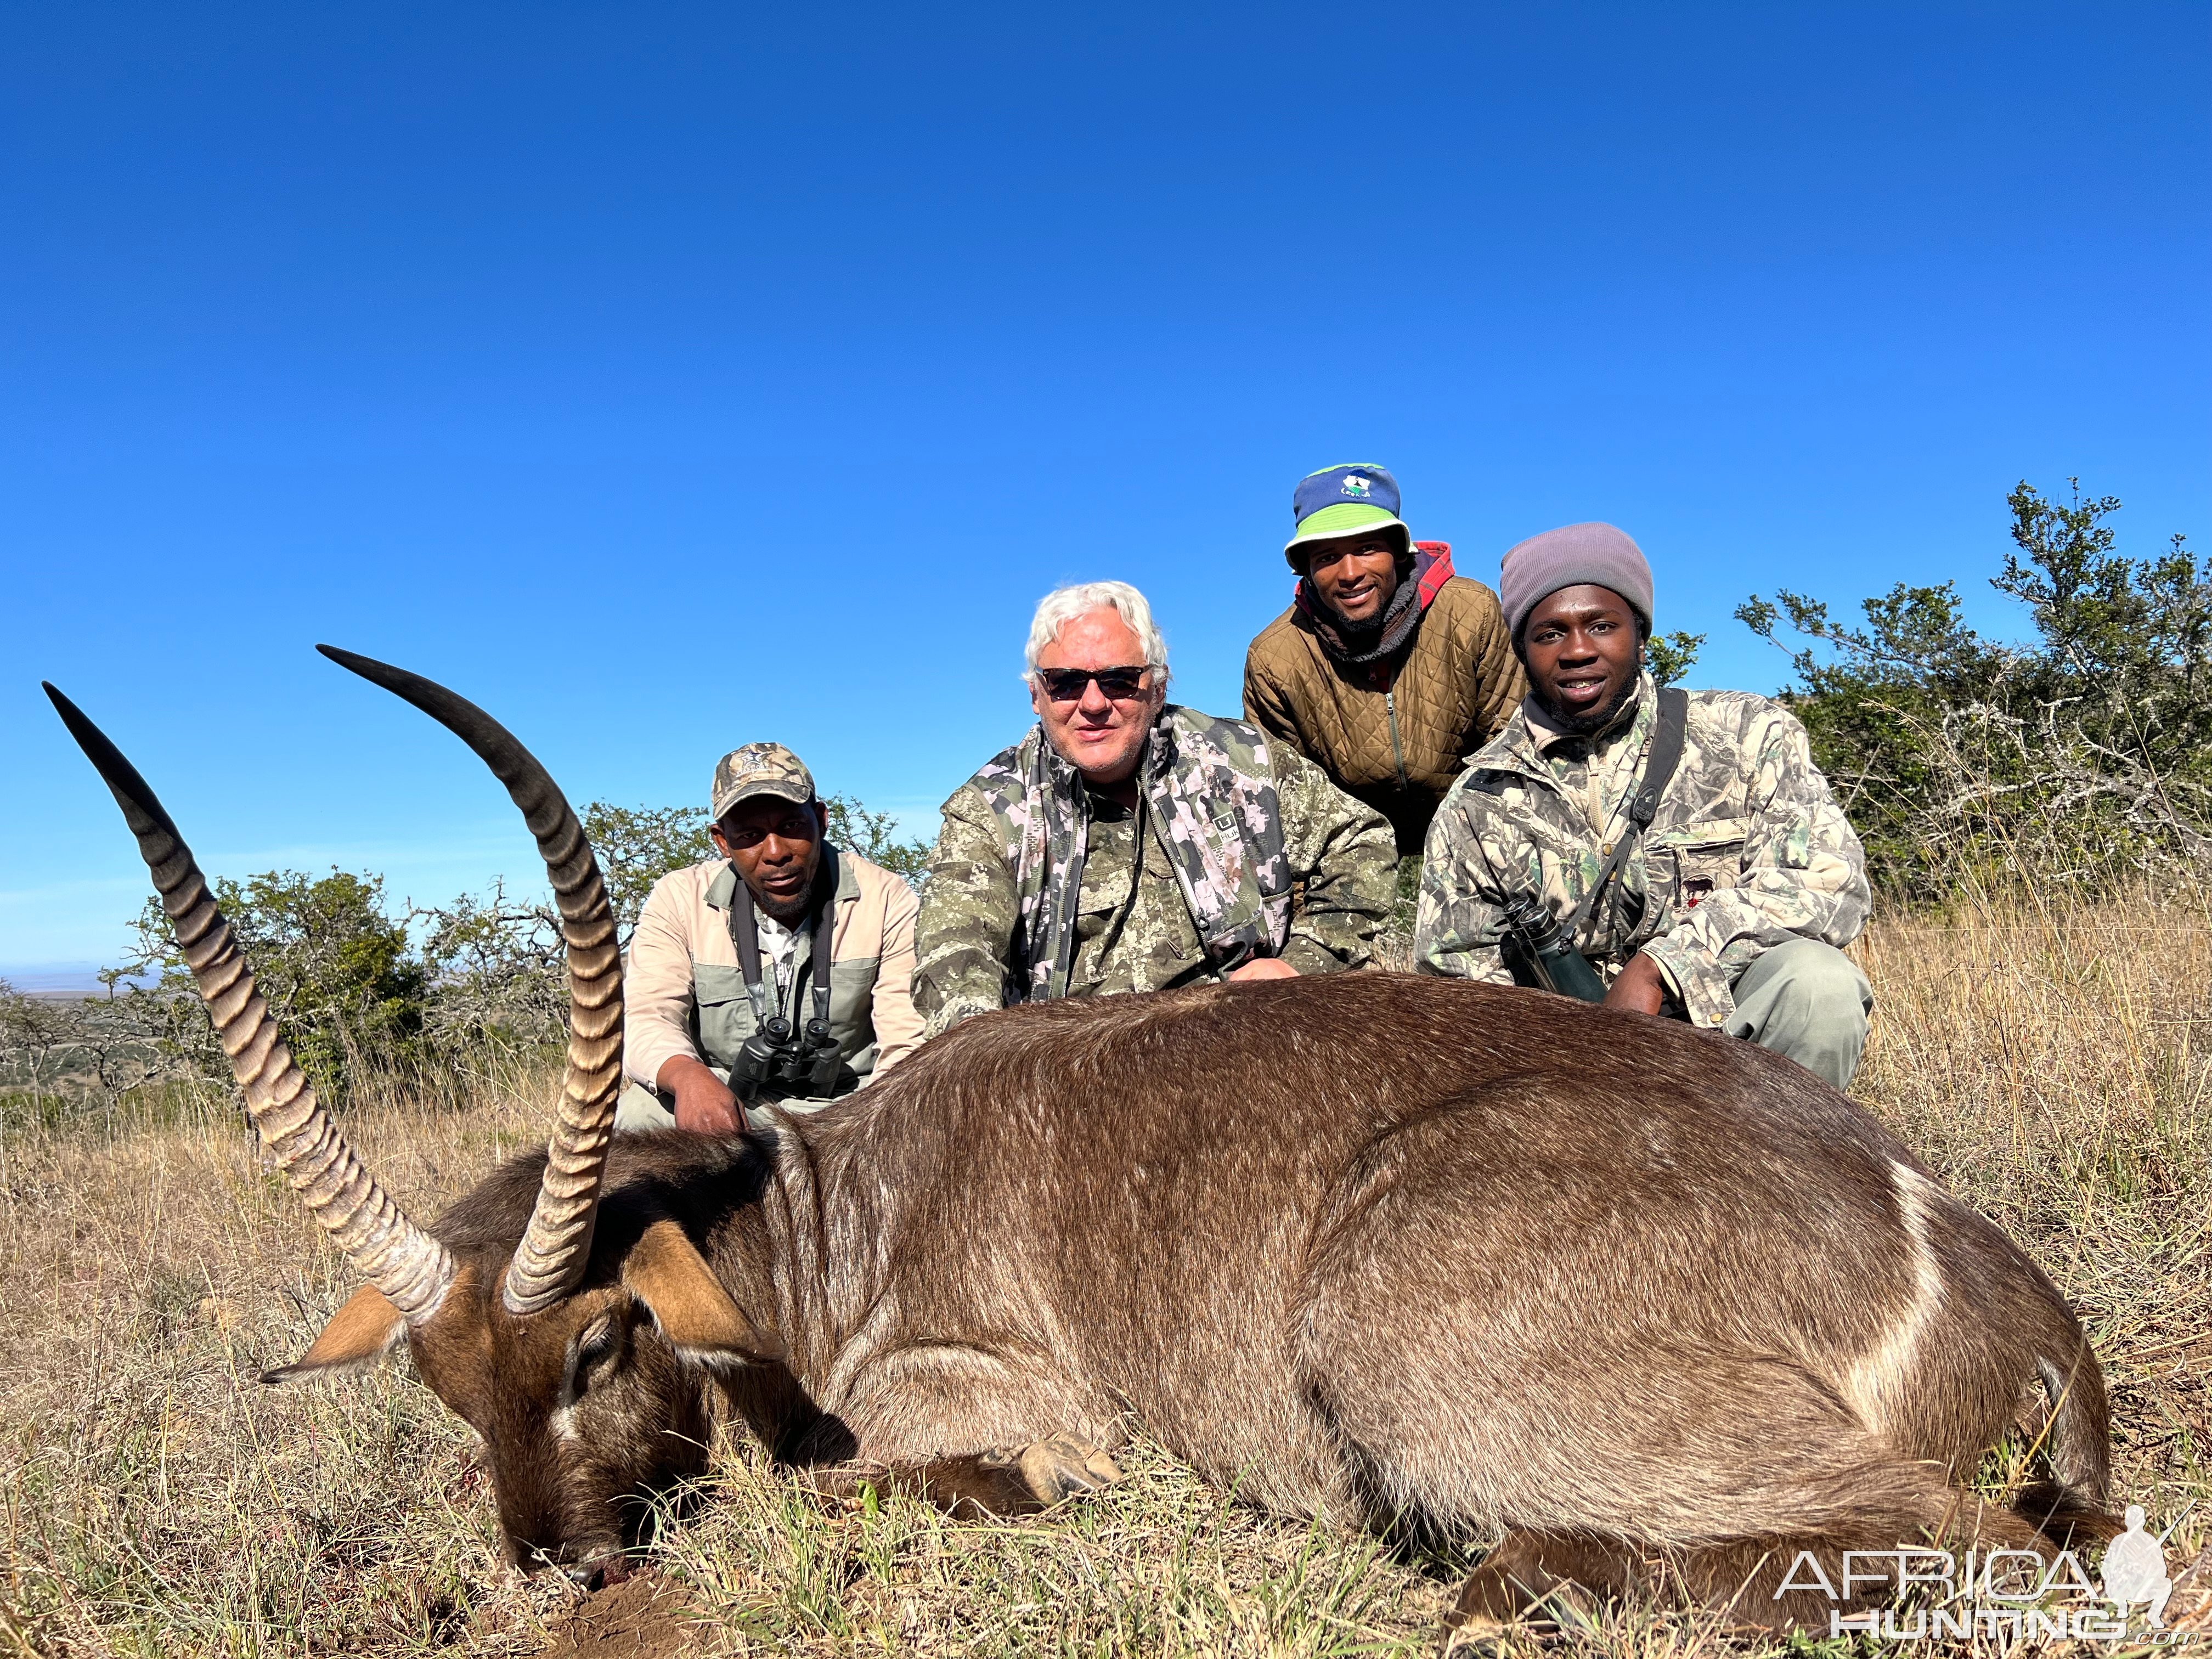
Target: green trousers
{"points": [[1808, 1002]]}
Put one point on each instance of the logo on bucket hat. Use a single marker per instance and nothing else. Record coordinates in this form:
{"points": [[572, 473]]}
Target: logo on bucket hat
{"points": [[1343, 500], [760, 769]]}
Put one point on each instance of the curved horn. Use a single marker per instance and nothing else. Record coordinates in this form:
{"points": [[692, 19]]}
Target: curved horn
{"points": [[554, 1250], [411, 1268]]}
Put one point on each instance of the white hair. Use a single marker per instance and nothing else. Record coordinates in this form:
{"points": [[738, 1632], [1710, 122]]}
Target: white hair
{"points": [[1063, 605]]}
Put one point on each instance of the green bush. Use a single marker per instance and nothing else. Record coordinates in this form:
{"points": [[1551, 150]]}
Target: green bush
{"points": [[2080, 758], [339, 974], [358, 991]]}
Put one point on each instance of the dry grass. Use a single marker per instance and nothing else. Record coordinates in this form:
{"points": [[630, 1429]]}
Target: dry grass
{"points": [[158, 1500]]}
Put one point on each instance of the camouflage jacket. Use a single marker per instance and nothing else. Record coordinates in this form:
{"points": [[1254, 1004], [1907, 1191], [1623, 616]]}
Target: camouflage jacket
{"points": [[1010, 891], [1748, 848]]}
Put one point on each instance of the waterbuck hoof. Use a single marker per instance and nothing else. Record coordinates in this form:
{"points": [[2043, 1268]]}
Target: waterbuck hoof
{"points": [[1061, 1466]]}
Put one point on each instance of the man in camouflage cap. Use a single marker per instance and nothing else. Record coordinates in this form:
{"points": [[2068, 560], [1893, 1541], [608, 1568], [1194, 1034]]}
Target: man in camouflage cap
{"points": [[688, 1008], [1127, 844], [1730, 909]]}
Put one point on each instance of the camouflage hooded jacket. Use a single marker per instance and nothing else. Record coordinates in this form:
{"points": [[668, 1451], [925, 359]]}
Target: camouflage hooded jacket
{"points": [[1748, 848], [1240, 820]]}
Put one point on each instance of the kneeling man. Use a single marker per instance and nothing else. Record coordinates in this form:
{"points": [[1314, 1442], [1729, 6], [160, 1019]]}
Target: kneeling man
{"points": [[1126, 844], [780, 973], [1685, 841]]}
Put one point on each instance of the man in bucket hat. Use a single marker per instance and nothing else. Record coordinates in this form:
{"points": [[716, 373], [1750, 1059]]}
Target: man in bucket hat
{"points": [[781, 927], [1685, 842], [1388, 669]]}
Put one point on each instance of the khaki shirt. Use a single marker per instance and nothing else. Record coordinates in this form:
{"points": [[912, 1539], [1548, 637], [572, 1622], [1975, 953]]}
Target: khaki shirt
{"points": [[684, 992]]}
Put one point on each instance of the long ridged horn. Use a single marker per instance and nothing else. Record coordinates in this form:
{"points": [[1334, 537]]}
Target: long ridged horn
{"points": [[411, 1268], [555, 1249]]}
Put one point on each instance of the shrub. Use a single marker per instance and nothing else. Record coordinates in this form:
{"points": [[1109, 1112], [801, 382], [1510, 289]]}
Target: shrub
{"points": [[338, 972], [2081, 758], [352, 990]]}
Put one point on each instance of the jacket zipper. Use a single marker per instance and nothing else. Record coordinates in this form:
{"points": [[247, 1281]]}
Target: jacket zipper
{"points": [[1390, 709]]}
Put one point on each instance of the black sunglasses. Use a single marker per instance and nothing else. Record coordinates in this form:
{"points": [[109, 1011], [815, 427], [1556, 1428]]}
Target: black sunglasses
{"points": [[1067, 684]]}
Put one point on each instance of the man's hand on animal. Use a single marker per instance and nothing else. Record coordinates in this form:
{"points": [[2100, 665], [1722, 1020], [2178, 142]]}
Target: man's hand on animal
{"points": [[1641, 988], [735, 959], [704, 1103], [1266, 967]]}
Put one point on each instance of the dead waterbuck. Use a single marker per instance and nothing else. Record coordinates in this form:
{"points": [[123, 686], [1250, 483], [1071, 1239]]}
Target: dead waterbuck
{"points": [[1398, 1251]]}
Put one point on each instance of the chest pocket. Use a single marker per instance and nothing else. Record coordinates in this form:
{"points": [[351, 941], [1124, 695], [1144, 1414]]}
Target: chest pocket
{"points": [[1696, 860], [722, 1014], [852, 1009]]}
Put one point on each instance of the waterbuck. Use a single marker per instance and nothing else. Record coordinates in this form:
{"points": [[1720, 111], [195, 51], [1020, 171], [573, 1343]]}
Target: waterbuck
{"points": [[1395, 1251]]}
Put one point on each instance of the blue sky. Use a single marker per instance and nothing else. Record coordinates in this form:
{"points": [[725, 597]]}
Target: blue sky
{"points": [[665, 378]]}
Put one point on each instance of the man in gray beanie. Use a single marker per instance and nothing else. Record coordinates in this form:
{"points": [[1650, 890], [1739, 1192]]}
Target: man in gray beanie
{"points": [[1684, 844]]}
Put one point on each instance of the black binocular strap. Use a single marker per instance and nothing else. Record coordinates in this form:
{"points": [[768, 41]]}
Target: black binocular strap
{"points": [[744, 934], [1668, 733]]}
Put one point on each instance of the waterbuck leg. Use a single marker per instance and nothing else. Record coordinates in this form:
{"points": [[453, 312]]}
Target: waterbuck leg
{"points": [[1777, 1582], [1529, 1569], [1005, 1481]]}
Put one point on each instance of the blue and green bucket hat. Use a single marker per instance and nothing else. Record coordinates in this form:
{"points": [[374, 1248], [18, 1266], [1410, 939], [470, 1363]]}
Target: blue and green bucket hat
{"points": [[1342, 501]]}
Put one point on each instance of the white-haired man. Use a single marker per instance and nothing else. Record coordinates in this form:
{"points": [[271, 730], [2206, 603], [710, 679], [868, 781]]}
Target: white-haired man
{"points": [[1127, 844]]}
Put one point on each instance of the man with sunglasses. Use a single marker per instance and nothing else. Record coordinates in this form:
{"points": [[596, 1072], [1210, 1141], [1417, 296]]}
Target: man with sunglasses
{"points": [[1127, 844], [779, 973], [1388, 669]]}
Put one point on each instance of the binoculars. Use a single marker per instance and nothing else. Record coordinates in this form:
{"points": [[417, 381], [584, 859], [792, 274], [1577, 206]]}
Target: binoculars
{"points": [[775, 1057], [1548, 954]]}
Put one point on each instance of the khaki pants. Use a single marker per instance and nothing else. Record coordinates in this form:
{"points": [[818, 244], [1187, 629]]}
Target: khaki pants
{"points": [[1808, 1002], [640, 1110]]}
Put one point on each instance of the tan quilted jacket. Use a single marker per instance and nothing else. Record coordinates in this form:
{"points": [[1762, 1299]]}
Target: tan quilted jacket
{"points": [[1393, 734]]}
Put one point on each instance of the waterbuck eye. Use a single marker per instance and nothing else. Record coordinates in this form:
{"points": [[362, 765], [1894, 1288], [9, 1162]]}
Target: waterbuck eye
{"points": [[597, 1342]]}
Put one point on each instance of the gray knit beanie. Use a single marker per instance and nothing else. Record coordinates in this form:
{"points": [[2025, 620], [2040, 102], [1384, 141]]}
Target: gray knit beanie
{"points": [[1567, 557]]}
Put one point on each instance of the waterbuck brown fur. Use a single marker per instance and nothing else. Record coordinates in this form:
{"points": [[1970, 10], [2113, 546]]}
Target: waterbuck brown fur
{"points": [[1393, 1251]]}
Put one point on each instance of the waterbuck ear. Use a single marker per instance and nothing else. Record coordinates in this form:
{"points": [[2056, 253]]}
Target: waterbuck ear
{"points": [[664, 1272], [365, 1329]]}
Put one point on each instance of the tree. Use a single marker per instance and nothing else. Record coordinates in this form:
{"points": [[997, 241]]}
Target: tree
{"points": [[2083, 755], [871, 835], [1671, 656], [33, 1030], [637, 846], [337, 973]]}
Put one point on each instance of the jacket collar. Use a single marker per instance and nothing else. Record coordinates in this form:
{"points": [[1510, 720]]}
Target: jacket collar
{"points": [[1152, 766], [1432, 568], [1521, 745], [724, 887]]}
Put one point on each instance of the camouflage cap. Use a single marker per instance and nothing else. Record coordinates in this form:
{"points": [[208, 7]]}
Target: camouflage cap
{"points": [[760, 769]]}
